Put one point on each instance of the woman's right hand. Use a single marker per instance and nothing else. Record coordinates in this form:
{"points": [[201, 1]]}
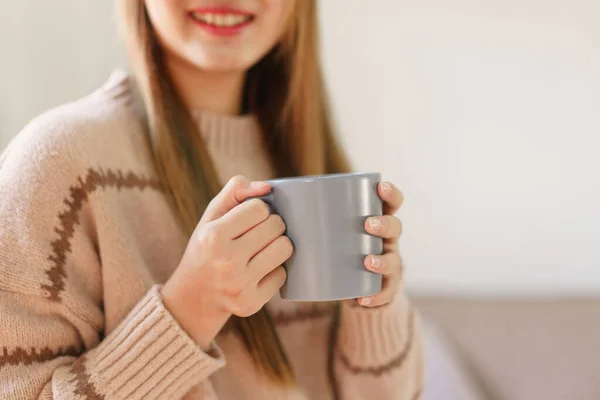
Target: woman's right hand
{"points": [[232, 263]]}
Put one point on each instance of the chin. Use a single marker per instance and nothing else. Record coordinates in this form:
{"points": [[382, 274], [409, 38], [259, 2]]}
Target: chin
{"points": [[222, 66], [221, 63]]}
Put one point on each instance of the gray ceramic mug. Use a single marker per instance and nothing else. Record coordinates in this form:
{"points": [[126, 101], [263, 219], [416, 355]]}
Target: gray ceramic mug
{"points": [[325, 217]]}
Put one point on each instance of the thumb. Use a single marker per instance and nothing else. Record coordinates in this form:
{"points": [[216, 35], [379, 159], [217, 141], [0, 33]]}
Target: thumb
{"points": [[237, 189]]}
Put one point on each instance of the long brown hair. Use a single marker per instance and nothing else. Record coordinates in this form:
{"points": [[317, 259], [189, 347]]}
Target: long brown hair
{"points": [[284, 90]]}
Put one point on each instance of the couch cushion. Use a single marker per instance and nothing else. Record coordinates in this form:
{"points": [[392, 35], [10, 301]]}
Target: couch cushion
{"points": [[446, 375], [525, 350]]}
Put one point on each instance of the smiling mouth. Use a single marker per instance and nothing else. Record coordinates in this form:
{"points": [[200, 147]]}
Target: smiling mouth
{"points": [[221, 20]]}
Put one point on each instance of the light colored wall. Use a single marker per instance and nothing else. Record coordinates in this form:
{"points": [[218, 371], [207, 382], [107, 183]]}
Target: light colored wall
{"points": [[486, 114], [52, 52]]}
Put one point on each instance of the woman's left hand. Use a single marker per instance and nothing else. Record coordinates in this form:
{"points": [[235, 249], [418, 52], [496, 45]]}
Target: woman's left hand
{"points": [[389, 264]]}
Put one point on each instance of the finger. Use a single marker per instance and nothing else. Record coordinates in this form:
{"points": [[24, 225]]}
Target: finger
{"points": [[390, 246], [387, 294], [270, 258], [236, 190], [391, 196], [259, 237], [386, 226], [270, 284], [244, 217], [386, 264]]}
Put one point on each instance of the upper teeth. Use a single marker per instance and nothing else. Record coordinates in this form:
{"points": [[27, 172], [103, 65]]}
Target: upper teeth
{"points": [[221, 19]]}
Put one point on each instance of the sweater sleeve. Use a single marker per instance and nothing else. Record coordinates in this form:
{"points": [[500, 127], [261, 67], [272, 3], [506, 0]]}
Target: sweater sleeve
{"points": [[52, 343], [378, 352], [147, 357]]}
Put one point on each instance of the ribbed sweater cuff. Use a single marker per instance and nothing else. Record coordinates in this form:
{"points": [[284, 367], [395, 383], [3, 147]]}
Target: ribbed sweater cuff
{"points": [[150, 356], [370, 337]]}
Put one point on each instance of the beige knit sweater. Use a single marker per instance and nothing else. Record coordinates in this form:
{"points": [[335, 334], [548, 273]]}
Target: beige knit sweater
{"points": [[87, 238]]}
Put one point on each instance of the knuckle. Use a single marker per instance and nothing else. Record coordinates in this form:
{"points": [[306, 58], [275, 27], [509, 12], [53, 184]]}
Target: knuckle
{"points": [[245, 308], [286, 245], [259, 208], [400, 197], [391, 226], [242, 312], [237, 181], [236, 309], [385, 268], [281, 275], [251, 310], [396, 261], [278, 223], [382, 268]]}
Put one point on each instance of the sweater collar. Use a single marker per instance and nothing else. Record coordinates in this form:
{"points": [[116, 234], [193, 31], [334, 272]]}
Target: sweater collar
{"points": [[230, 134]]}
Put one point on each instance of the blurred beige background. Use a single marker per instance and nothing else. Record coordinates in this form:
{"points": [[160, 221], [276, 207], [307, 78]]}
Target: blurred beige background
{"points": [[52, 52], [489, 112]]}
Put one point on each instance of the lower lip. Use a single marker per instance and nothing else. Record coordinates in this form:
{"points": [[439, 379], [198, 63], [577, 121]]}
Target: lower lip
{"points": [[222, 30]]}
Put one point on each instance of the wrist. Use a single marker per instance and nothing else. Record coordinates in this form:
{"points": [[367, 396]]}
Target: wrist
{"points": [[202, 327]]}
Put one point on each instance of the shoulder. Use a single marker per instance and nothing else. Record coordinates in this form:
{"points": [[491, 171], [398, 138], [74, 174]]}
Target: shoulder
{"points": [[101, 129]]}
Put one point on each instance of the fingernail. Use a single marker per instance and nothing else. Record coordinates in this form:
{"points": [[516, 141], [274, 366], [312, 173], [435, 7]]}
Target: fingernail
{"points": [[386, 187], [375, 262], [374, 224], [366, 301]]}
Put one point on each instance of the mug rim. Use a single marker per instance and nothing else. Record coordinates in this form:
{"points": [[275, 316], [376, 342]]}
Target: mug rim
{"points": [[312, 178]]}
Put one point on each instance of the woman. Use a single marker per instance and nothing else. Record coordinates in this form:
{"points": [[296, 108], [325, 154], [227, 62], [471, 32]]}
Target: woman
{"points": [[110, 288]]}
